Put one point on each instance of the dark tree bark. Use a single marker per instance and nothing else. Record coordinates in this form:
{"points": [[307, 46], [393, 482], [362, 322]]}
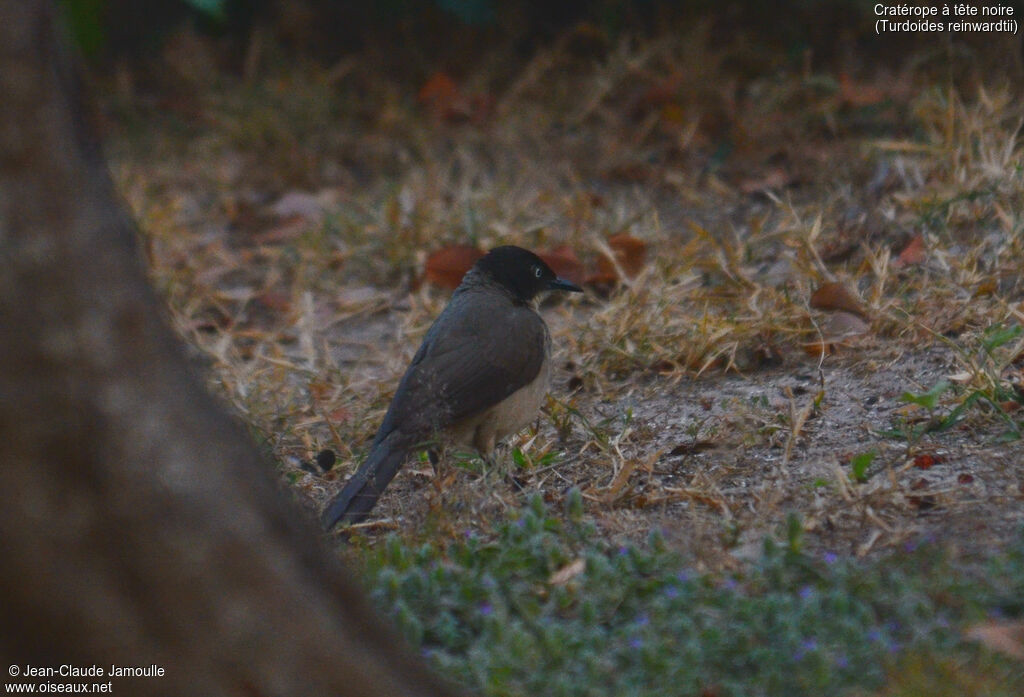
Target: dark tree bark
{"points": [[138, 525]]}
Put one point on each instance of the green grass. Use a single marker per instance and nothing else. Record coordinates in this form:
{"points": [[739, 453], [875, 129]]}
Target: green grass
{"points": [[489, 612], [986, 389]]}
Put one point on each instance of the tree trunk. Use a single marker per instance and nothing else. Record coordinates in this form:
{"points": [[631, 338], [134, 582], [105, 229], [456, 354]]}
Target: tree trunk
{"points": [[138, 525]]}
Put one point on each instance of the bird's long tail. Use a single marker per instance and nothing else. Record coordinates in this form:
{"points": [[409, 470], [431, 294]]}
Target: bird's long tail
{"points": [[359, 495]]}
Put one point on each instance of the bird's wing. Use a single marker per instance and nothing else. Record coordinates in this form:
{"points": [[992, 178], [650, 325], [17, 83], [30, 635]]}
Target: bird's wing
{"points": [[481, 349]]}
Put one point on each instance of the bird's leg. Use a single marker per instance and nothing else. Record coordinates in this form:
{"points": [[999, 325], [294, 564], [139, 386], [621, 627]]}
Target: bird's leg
{"points": [[490, 459]]}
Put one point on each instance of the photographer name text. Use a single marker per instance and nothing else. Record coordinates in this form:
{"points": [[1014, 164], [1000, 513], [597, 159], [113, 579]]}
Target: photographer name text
{"points": [[93, 671]]}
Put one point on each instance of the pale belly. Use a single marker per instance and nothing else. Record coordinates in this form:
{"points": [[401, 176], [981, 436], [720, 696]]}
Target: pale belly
{"points": [[510, 416]]}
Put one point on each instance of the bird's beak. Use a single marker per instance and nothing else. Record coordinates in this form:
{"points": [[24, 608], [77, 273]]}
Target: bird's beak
{"points": [[562, 284]]}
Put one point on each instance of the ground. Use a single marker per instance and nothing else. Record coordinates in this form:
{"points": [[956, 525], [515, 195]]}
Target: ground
{"points": [[818, 253]]}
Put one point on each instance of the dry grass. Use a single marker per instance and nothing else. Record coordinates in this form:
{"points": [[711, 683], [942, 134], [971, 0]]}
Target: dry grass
{"points": [[695, 405]]}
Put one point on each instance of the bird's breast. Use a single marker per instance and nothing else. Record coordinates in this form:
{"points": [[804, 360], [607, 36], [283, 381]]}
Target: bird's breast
{"points": [[508, 416]]}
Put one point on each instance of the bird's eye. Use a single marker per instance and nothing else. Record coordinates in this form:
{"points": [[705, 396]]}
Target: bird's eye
{"points": [[537, 271]]}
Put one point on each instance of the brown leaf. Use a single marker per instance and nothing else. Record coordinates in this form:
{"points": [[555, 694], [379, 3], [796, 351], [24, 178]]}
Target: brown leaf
{"points": [[602, 281], [568, 572], [618, 485], [275, 300], [657, 95], [289, 229], [630, 172], [858, 94], [339, 415], [564, 262], [697, 446], [835, 296], [986, 288], [441, 96], [775, 178], [816, 349], [923, 502], [1006, 638], [446, 267], [630, 256], [630, 252], [438, 91], [913, 253]]}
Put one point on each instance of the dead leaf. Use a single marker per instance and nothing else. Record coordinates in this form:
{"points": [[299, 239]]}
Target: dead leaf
{"points": [[564, 262], [774, 178], [568, 572], [339, 415], [441, 96], [629, 254], [859, 94], [438, 91], [1006, 638], [922, 502], [913, 253], [289, 229], [671, 494], [614, 491], [816, 349], [697, 446], [446, 267], [986, 288], [835, 296], [275, 300], [657, 95]]}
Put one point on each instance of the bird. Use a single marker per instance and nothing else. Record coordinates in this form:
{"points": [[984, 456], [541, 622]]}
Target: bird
{"points": [[481, 374]]}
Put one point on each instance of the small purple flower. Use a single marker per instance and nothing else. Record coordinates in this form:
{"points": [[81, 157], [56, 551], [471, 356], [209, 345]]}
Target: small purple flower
{"points": [[909, 546], [874, 635], [636, 643], [842, 661], [486, 609], [806, 646], [683, 576], [730, 584], [643, 620], [806, 592], [831, 558], [623, 551], [469, 534], [671, 592]]}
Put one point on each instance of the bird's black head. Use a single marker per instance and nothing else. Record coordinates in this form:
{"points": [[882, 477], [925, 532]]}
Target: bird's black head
{"points": [[522, 272]]}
